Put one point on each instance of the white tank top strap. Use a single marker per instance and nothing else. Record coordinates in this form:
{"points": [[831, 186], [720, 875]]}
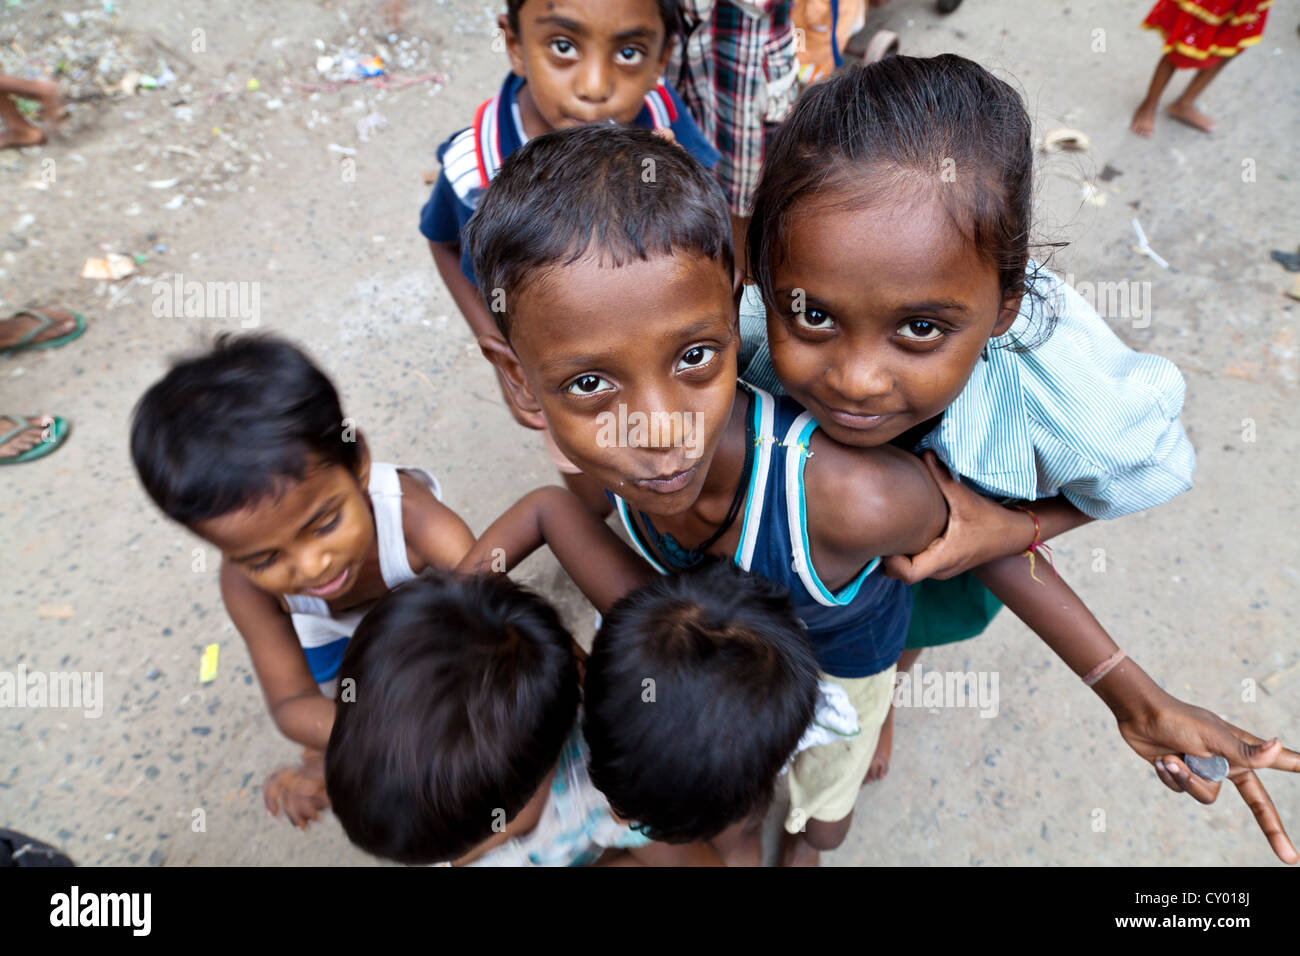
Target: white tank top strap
{"points": [[386, 499]]}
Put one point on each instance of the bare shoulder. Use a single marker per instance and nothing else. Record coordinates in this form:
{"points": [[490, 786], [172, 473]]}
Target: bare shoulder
{"points": [[435, 535], [873, 501]]}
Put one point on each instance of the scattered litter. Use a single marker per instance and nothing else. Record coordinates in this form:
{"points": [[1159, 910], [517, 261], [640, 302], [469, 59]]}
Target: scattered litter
{"points": [[1274, 681], [371, 67], [370, 123], [430, 177], [208, 665], [165, 76], [161, 248], [345, 150], [130, 81], [57, 612], [148, 82], [25, 220], [1091, 194], [174, 203], [324, 64], [254, 84], [1290, 261], [1146, 249], [1108, 173], [163, 183], [183, 150], [1294, 291], [113, 266], [1074, 140]]}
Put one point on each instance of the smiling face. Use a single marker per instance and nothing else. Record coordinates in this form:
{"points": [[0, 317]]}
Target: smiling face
{"points": [[586, 61], [634, 369], [312, 540], [881, 314]]}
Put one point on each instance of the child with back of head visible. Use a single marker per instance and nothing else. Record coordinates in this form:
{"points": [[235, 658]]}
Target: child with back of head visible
{"points": [[246, 445], [466, 744], [572, 62], [897, 302]]}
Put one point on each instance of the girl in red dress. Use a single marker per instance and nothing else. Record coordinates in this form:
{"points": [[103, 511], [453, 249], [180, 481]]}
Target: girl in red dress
{"points": [[1199, 35]]}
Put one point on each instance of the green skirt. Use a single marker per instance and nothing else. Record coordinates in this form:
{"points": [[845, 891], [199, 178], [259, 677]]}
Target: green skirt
{"points": [[948, 611]]}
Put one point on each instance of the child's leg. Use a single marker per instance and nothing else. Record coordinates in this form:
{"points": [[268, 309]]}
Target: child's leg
{"points": [[1184, 109], [824, 780], [19, 132], [1144, 120], [885, 745], [741, 844]]}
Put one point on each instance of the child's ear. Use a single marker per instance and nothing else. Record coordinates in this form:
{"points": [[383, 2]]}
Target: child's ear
{"points": [[363, 463], [498, 351], [737, 293], [667, 53], [1007, 314], [514, 49]]}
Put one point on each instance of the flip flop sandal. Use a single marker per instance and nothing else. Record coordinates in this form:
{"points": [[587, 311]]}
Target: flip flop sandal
{"points": [[58, 431], [43, 322]]}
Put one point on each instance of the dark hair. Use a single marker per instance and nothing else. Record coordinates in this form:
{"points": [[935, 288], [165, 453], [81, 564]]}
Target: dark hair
{"points": [[667, 12], [734, 688], [909, 120], [226, 428], [621, 190], [466, 689]]}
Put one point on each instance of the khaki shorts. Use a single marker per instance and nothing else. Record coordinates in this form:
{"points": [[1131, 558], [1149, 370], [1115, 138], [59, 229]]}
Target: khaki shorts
{"points": [[825, 780]]}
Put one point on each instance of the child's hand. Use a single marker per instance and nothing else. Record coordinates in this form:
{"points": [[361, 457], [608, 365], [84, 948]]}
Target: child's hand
{"points": [[1172, 728], [298, 791], [978, 531]]}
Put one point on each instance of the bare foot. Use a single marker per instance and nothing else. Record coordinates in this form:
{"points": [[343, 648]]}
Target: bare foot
{"points": [[21, 135], [37, 431], [1144, 120], [1191, 116], [13, 329], [796, 851], [879, 765]]}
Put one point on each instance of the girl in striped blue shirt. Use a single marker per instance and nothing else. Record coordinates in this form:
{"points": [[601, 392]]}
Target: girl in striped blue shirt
{"points": [[896, 301]]}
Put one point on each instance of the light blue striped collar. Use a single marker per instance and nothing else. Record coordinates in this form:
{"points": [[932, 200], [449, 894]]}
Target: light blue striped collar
{"points": [[985, 431]]}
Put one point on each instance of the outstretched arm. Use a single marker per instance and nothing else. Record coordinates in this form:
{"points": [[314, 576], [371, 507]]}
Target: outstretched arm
{"points": [[602, 566], [1158, 726]]}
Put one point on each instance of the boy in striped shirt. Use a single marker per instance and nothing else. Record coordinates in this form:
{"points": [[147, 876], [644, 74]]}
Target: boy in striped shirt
{"points": [[573, 62]]}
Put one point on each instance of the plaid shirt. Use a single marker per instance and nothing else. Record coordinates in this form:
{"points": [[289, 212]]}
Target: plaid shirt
{"points": [[735, 68]]}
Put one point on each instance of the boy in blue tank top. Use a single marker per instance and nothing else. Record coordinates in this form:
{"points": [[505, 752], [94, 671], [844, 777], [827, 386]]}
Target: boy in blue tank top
{"points": [[610, 253]]}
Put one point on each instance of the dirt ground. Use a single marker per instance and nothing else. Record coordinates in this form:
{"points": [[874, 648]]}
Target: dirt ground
{"points": [[237, 170]]}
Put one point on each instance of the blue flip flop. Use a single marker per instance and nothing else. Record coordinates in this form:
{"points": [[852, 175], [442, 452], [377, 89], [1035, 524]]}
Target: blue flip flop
{"points": [[54, 434], [43, 322]]}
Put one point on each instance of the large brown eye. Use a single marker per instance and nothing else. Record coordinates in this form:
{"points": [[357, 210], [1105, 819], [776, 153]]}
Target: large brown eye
{"points": [[696, 356], [587, 385], [919, 330], [814, 319]]}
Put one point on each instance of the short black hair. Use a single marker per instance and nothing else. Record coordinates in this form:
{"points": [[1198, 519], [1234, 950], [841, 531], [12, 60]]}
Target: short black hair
{"points": [[226, 428], [618, 190], [668, 12], [465, 691], [698, 689], [942, 124]]}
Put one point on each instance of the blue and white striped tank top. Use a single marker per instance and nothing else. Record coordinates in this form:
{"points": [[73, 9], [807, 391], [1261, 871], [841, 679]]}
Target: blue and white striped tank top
{"points": [[855, 632]]}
